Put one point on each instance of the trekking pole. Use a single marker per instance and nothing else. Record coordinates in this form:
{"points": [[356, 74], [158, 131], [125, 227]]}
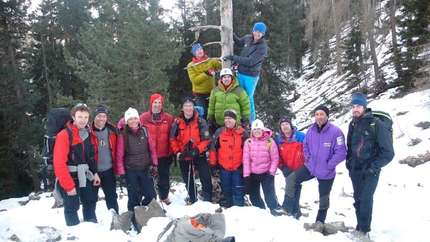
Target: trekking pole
{"points": [[188, 183], [158, 194]]}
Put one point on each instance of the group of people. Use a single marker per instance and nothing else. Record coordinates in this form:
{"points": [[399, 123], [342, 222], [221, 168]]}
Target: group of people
{"points": [[242, 153], [231, 91]]}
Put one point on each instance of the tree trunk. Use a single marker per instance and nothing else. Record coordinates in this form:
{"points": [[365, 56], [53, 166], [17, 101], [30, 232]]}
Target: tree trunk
{"points": [[226, 12], [338, 42], [45, 67], [370, 12]]}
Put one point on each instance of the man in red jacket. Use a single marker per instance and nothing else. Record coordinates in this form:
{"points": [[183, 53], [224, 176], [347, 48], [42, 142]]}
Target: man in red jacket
{"points": [[103, 137], [189, 139], [159, 123], [75, 167]]}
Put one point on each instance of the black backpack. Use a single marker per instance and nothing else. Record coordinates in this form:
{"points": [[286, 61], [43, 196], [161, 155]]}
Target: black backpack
{"points": [[56, 121], [386, 119]]}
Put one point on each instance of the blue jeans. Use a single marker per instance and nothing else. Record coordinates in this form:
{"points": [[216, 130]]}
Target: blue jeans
{"points": [[268, 190], [295, 179], [364, 187], [71, 203], [108, 184], [200, 164], [249, 83], [140, 184], [232, 187]]}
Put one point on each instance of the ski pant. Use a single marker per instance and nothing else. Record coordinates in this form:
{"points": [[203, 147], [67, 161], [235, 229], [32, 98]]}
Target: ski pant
{"points": [[364, 186], [249, 83], [108, 184], [296, 212], [201, 165], [140, 184], [164, 174], [324, 187], [268, 186], [232, 187], [71, 203]]}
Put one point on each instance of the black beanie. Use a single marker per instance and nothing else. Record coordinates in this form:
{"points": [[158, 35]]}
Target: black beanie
{"points": [[100, 109], [322, 107], [187, 99], [285, 119], [230, 113]]}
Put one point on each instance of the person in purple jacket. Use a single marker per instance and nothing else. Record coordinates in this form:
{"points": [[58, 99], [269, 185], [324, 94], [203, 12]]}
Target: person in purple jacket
{"points": [[324, 148]]}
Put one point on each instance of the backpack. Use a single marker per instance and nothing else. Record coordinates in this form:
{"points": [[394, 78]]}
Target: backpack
{"points": [[201, 227], [57, 120], [386, 119]]}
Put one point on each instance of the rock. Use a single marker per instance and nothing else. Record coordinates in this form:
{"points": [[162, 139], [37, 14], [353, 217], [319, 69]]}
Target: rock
{"points": [[317, 226], [122, 221], [50, 234], [143, 214]]}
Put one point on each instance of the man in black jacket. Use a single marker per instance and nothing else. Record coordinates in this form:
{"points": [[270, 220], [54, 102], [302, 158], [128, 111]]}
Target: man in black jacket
{"points": [[370, 148]]}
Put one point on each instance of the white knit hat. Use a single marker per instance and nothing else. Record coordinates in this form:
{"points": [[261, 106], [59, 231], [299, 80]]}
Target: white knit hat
{"points": [[131, 113], [257, 124]]}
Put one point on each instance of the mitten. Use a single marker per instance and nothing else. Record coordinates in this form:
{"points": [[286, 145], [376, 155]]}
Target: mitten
{"points": [[210, 72]]}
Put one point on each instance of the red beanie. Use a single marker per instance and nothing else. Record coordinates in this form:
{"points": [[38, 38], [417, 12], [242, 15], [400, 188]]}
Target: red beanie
{"points": [[155, 97]]}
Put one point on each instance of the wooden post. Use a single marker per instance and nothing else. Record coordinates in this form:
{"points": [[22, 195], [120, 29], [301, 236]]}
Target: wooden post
{"points": [[226, 12]]}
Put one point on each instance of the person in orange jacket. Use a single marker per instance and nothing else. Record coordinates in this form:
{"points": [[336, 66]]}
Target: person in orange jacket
{"points": [[75, 167], [103, 137], [189, 138], [226, 155]]}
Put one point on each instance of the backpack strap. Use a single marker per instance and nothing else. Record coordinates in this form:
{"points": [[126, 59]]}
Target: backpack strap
{"points": [[173, 223]]}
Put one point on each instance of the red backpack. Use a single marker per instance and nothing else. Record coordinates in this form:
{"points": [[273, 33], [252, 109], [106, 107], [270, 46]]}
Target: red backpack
{"points": [[291, 154]]}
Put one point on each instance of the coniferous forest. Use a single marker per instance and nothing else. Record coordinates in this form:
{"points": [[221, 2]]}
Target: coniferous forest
{"points": [[119, 52]]}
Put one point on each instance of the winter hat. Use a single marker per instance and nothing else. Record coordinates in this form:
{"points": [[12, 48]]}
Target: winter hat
{"points": [[195, 48], [259, 26], [154, 97], [257, 124], [100, 109], [322, 107], [187, 99], [230, 113], [285, 119], [359, 99], [131, 113]]}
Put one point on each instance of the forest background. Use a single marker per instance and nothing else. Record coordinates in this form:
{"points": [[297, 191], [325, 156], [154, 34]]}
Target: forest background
{"points": [[119, 52]]}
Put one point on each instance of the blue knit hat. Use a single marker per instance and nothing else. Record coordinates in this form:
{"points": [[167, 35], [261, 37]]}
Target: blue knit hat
{"points": [[359, 99], [195, 48], [259, 26]]}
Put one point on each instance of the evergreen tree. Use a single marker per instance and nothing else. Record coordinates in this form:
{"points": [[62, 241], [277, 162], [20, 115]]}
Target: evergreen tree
{"points": [[415, 34], [122, 61]]}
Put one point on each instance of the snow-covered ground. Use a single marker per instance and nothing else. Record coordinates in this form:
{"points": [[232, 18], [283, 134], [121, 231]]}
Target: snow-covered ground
{"points": [[400, 213]]}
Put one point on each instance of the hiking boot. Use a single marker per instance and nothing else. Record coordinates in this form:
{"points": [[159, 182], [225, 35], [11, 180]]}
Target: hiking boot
{"points": [[166, 201], [278, 211], [285, 212]]}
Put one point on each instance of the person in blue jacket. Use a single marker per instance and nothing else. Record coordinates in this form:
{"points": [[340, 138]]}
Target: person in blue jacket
{"points": [[366, 155]]}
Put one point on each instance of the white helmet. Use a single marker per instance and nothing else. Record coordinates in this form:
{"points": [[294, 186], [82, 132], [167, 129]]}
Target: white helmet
{"points": [[226, 71]]}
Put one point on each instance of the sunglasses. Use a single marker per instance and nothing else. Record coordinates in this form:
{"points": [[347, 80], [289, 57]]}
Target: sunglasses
{"points": [[80, 104]]}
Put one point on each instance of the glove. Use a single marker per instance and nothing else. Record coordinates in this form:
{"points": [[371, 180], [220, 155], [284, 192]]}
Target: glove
{"points": [[211, 72], [234, 67], [123, 181], [215, 171], [192, 153], [270, 178], [153, 171], [245, 124], [247, 184], [212, 126], [182, 156], [228, 57]]}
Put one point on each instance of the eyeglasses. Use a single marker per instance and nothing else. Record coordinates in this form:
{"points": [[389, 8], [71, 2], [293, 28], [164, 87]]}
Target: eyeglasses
{"points": [[80, 104]]}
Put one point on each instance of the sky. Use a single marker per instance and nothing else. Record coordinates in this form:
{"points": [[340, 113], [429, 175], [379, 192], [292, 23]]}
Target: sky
{"points": [[400, 213]]}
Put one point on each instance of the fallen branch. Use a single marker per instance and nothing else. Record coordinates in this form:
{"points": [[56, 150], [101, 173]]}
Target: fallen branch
{"points": [[212, 58]]}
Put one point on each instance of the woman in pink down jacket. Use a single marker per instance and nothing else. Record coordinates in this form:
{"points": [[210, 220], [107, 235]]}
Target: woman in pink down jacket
{"points": [[260, 161]]}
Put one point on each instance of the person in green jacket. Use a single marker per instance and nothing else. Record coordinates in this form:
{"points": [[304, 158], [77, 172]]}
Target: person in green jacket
{"points": [[201, 71], [228, 94]]}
